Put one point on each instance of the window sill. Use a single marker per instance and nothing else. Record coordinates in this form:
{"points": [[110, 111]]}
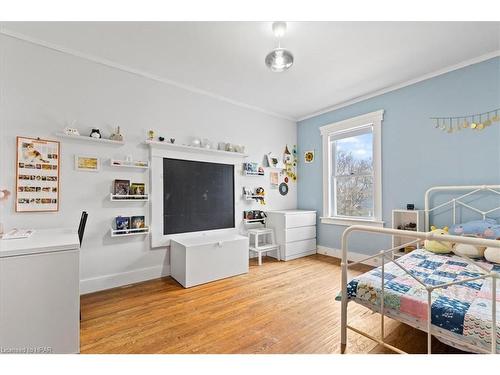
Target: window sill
{"points": [[351, 221]]}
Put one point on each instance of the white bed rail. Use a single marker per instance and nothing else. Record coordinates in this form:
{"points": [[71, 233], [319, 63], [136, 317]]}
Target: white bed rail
{"points": [[457, 201], [418, 236]]}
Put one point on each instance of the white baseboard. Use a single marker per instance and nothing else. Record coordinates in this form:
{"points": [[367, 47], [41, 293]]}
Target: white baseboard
{"points": [[96, 284], [351, 255]]}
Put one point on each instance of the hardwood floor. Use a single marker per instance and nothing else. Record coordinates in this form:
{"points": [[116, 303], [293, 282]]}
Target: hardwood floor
{"points": [[279, 307]]}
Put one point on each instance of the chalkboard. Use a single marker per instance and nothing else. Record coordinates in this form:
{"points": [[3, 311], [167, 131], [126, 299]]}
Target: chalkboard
{"points": [[197, 196]]}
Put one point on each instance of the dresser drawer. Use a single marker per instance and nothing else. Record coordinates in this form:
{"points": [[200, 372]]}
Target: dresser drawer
{"points": [[300, 220], [299, 247], [300, 233]]}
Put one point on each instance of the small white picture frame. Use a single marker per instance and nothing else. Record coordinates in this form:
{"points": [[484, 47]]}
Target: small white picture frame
{"points": [[87, 163]]}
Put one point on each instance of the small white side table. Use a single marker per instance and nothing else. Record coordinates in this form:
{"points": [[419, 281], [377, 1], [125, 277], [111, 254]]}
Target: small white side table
{"points": [[263, 246]]}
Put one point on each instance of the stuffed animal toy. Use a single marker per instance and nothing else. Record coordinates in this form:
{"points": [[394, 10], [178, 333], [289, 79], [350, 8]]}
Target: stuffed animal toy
{"points": [[487, 228], [492, 254], [438, 247], [470, 251]]}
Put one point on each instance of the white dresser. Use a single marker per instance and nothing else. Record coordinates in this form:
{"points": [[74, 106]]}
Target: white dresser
{"points": [[295, 232]]}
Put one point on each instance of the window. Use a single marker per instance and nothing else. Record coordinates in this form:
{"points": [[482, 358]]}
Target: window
{"points": [[352, 191]]}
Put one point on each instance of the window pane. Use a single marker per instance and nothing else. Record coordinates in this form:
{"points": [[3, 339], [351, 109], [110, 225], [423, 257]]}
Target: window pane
{"points": [[354, 196], [353, 155]]}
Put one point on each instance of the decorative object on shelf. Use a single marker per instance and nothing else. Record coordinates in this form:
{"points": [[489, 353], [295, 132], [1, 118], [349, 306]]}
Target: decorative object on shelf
{"points": [[161, 139], [258, 194], [254, 216], [252, 169], [117, 136], [273, 161], [205, 143], [37, 182], [71, 131], [122, 223], [477, 121], [137, 188], [172, 140], [410, 206], [283, 188], [239, 148], [137, 222], [129, 163], [87, 163], [95, 133], [121, 187], [274, 180], [151, 135], [222, 146], [196, 142], [309, 157], [279, 59]]}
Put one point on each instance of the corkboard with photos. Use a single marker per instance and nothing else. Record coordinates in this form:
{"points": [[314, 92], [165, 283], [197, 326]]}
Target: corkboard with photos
{"points": [[37, 177]]}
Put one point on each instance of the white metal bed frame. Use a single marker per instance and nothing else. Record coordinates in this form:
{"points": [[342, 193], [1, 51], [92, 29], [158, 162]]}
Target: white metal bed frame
{"points": [[419, 236]]}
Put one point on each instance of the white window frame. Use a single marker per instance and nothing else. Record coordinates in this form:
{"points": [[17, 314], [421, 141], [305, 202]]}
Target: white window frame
{"points": [[375, 120]]}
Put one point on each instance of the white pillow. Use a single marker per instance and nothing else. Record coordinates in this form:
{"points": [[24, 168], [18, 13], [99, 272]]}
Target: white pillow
{"points": [[492, 254], [470, 251]]}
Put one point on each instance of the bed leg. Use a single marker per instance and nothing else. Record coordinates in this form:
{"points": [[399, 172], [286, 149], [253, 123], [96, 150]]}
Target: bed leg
{"points": [[343, 315]]}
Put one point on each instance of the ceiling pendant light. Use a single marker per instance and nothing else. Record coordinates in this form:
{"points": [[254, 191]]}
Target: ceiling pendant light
{"points": [[279, 59]]}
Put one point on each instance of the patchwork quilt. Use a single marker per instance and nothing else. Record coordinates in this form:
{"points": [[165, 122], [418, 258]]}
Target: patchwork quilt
{"points": [[463, 309]]}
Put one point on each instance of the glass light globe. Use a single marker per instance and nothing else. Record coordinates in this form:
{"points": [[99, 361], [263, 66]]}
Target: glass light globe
{"points": [[279, 60]]}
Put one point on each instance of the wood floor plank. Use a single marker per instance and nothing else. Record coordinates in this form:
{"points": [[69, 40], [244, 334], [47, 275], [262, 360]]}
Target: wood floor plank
{"points": [[279, 307]]}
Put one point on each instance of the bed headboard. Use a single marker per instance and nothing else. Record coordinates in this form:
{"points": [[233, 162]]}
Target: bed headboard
{"points": [[462, 192]]}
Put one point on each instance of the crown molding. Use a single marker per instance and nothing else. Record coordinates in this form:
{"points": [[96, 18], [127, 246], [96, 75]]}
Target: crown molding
{"points": [[385, 90], [137, 72]]}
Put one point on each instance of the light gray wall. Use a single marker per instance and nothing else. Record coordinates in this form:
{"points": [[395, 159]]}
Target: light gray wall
{"points": [[41, 89]]}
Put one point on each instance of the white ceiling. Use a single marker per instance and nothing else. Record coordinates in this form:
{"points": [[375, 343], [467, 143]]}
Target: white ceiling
{"points": [[334, 61]]}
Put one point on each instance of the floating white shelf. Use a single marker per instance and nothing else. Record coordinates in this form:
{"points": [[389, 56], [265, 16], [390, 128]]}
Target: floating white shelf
{"points": [[201, 150], [247, 173], [254, 220], [129, 164], [129, 232], [89, 139], [253, 196], [133, 198]]}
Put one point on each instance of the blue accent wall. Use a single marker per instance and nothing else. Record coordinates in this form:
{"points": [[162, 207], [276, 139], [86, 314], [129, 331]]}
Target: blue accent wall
{"points": [[415, 155]]}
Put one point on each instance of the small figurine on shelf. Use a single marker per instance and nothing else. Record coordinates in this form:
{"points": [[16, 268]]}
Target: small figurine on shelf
{"points": [[95, 133], [151, 135], [117, 136]]}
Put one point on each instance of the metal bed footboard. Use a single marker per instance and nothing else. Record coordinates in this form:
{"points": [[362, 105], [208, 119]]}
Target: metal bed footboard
{"points": [[382, 255]]}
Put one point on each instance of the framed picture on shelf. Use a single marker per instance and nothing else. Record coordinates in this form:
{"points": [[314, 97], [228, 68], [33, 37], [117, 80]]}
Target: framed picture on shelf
{"points": [[121, 187], [87, 163], [37, 175], [122, 223], [137, 188], [137, 222]]}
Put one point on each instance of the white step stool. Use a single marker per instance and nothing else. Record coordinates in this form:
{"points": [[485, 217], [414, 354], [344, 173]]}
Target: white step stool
{"points": [[264, 246]]}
